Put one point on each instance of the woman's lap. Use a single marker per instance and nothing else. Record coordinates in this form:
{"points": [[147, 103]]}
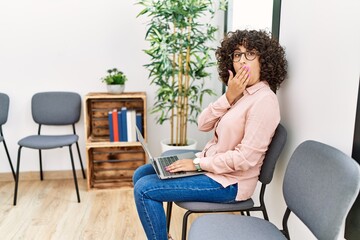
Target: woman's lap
{"points": [[150, 192], [193, 188]]}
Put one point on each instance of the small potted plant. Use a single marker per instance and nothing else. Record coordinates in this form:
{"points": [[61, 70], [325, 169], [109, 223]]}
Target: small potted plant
{"points": [[115, 81]]}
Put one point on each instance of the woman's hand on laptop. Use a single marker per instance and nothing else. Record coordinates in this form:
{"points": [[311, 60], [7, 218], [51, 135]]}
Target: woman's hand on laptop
{"points": [[182, 165]]}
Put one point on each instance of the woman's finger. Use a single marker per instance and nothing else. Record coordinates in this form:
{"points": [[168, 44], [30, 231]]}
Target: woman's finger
{"points": [[231, 75], [241, 72]]}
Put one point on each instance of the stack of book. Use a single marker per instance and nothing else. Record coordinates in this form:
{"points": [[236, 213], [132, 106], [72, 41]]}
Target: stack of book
{"points": [[122, 125]]}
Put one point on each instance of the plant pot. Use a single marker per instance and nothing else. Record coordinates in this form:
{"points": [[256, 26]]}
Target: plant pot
{"points": [[115, 88], [192, 144]]}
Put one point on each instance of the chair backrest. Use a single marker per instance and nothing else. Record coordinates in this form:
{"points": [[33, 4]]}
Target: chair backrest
{"points": [[272, 154], [4, 108], [56, 108], [320, 186]]}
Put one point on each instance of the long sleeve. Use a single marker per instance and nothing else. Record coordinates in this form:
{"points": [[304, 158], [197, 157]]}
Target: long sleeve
{"points": [[210, 115]]}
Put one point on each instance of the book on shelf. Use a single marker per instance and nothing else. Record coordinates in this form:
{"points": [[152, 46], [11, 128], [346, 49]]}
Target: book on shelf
{"points": [[139, 124], [122, 125], [115, 125], [131, 121], [119, 126], [111, 129], [123, 129]]}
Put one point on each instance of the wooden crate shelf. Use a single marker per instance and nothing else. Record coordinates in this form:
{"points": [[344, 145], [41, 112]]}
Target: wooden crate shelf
{"points": [[111, 164]]}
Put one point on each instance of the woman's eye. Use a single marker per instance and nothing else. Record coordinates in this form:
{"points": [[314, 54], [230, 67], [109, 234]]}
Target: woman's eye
{"points": [[237, 55], [251, 54]]}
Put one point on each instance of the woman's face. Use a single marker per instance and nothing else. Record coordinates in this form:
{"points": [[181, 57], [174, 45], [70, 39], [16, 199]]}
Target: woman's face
{"points": [[254, 64]]}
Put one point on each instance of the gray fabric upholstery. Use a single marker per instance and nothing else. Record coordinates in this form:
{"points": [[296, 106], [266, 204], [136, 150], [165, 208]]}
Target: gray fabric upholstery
{"points": [[178, 151], [4, 112], [216, 207], [48, 141], [53, 109], [56, 108], [320, 185], [4, 108], [233, 227], [272, 154]]}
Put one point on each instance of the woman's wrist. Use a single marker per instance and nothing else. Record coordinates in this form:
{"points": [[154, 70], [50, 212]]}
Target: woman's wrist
{"points": [[196, 162]]}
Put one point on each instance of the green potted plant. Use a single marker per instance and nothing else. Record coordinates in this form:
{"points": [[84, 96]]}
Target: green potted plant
{"points": [[180, 51], [115, 81]]}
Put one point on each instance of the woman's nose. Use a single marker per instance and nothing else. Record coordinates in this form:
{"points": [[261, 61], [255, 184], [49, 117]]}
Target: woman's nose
{"points": [[242, 58]]}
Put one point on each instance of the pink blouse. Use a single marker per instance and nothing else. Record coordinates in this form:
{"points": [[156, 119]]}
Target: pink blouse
{"points": [[243, 132]]}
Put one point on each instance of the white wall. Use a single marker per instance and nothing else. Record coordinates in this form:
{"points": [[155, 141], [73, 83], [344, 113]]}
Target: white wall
{"points": [[318, 101], [322, 41], [244, 14], [68, 45]]}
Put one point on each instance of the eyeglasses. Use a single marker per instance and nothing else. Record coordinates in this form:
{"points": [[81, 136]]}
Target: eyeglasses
{"points": [[236, 56]]}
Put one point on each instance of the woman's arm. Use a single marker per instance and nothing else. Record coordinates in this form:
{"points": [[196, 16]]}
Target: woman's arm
{"points": [[210, 115]]}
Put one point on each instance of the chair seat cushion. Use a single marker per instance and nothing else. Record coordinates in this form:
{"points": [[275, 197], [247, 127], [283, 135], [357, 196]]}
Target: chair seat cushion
{"points": [[216, 207], [228, 226], [48, 141], [178, 151]]}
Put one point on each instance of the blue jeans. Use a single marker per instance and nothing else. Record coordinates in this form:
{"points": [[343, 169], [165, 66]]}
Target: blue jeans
{"points": [[150, 192]]}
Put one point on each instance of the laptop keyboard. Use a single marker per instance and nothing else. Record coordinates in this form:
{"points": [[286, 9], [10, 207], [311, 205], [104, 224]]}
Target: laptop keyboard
{"points": [[166, 161]]}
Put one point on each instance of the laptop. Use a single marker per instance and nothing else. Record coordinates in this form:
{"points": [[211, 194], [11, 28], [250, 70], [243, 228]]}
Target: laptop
{"points": [[159, 163]]}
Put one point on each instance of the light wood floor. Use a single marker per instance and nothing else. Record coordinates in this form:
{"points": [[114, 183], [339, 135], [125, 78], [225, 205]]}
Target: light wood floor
{"points": [[49, 210]]}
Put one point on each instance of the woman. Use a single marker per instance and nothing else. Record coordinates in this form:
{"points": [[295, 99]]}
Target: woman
{"points": [[244, 120]]}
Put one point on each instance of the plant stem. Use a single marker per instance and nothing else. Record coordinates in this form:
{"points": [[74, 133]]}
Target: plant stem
{"points": [[187, 84], [179, 124], [172, 98]]}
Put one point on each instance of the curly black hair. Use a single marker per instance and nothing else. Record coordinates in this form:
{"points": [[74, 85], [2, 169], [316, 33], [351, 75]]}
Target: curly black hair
{"points": [[273, 64]]}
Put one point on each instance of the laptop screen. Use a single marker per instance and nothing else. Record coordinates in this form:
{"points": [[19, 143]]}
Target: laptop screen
{"points": [[142, 141]]}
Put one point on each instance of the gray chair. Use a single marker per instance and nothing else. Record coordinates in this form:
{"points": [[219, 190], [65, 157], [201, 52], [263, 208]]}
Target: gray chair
{"points": [[320, 185], [267, 171], [53, 109], [4, 112]]}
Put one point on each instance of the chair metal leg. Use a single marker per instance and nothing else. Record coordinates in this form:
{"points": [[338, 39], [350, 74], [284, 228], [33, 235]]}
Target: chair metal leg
{"points": [[74, 174], [8, 156], [168, 215], [285, 230], [41, 170], [17, 175], [262, 202], [184, 227], [81, 164], [266, 217]]}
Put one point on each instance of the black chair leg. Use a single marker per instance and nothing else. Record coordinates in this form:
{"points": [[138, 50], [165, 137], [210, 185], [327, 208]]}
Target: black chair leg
{"points": [[168, 215], [74, 174], [266, 217], [17, 176], [184, 227], [8, 156], [41, 170], [81, 164]]}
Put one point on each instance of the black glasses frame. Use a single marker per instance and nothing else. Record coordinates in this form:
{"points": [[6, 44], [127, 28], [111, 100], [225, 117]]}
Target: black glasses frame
{"points": [[249, 58]]}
